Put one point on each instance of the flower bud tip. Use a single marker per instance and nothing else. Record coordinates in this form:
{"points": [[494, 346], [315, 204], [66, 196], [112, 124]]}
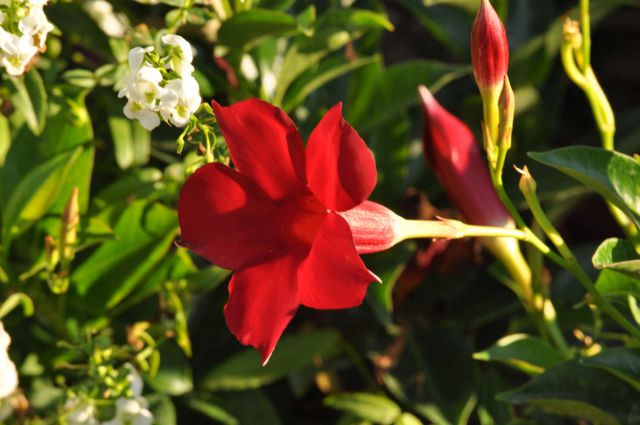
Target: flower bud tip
{"points": [[489, 48], [527, 183]]}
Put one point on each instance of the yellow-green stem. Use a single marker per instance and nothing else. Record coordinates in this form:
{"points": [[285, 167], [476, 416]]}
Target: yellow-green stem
{"points": [[571, 264], [585, 22]]}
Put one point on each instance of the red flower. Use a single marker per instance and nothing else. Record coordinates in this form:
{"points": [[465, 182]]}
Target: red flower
{"points": [[289, 220], [452, 153], [489, 48]]}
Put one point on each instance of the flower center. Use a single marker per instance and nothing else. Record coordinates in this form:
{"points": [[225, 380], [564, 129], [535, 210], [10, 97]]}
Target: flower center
{"points": [[300, 217]]}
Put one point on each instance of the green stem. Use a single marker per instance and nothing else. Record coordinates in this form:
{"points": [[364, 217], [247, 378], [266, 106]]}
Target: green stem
{"points": [[585, 21], [571, 264], [209, 149]]}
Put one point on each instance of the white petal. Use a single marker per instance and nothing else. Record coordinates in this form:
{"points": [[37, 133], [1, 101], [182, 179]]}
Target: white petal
{"points": [[136, 56], [148, 119]]}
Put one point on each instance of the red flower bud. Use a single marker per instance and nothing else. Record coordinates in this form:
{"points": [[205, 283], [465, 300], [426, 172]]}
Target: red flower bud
{"points": [[452, 153], [489, 48]]}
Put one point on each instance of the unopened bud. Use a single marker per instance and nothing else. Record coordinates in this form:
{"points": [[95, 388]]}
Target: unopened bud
{"points": [[69, 227], [527, 183], [51, 252], [489, 48], [507, 105]]}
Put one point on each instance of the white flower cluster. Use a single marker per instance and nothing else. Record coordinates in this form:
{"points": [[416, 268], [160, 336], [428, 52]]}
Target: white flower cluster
{"points": [[23, 33], [8, 374], [129, 411], [161, 92]]}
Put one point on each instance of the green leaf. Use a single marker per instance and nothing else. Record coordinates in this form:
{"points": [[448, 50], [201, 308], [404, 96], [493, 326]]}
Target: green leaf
{"points": [[131, 141], [375, 408], [211, 410], [35, 193], [245, 29], [354, 20], [235, 408], [573, 390], [82, 78], [294, 352], [174, 375], [618, 255], [29, 96], [326, 72], [303, 54], [526, 353], [620, 361], [613, 175], [163, 410], [144, 232], [396, 91], [612, 284]]}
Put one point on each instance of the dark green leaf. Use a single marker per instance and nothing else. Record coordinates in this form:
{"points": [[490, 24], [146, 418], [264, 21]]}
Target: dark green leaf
{"points": [[163, 410], [618, 255], [247, 28], [527, 353], [143, 234], [614, 285], [212, 410], [294, 352], [319, 77], [573, 390], [375, 408], [303, 54], [620, 361], [174, 375], [396, 91], [35, 193], [613, 175]]}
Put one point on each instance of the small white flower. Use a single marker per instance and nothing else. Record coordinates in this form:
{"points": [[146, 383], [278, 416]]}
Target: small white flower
{"points": [[143, 86], [80, 412], [8, 372], [148, 119], [181, 55], [35, 24], [180, 101], [131, 411], [16, 52]]}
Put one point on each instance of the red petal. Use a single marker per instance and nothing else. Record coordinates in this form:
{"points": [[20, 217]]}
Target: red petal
{"points": [[225, 218], [264, 144], [341, 170], [262, 302], [333, 275]]}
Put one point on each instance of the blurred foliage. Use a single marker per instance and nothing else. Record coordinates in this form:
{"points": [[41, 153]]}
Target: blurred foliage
{"points": [[440, 341]]}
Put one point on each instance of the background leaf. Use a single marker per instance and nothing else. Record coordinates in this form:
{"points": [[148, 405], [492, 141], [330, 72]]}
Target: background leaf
{"points": [[611, 174], [618, 255]]}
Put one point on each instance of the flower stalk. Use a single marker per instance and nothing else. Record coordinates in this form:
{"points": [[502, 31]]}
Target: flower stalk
{"points": [[528, 188], [575, 53]]}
